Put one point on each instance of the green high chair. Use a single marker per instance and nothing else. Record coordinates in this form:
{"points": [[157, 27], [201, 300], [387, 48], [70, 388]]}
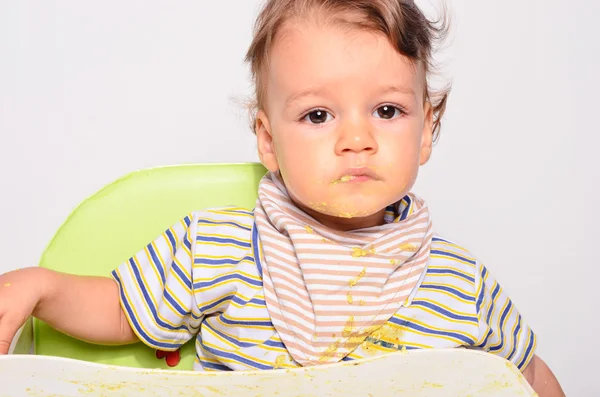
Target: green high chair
{"points": [[119, 220]]}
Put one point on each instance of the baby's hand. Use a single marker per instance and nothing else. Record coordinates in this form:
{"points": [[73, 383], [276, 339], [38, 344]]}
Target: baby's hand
{"points": [[20, 293]]}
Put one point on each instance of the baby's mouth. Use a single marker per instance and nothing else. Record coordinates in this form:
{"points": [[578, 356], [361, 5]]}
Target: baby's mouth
{"points": [[356, 175]]}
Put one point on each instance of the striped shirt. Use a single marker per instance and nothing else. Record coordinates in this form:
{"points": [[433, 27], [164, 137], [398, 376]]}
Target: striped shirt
{"points": [[203, 278]]}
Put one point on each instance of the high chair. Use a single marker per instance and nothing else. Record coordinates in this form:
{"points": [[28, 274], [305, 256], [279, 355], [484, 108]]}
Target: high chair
{"points": [[120, 219]]}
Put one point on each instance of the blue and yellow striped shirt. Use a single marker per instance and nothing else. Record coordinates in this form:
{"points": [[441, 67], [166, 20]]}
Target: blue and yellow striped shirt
{"points": [[203, 278]]}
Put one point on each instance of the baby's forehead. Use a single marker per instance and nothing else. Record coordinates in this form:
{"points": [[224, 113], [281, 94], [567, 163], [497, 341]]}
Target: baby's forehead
{"points": [[332, 55]]}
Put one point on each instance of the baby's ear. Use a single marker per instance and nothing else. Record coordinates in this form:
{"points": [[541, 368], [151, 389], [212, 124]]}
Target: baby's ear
{"points": [[427, 134], [264, 138]]}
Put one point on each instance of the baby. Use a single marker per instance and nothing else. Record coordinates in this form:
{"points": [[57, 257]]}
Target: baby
{"points": [[338, 260]]}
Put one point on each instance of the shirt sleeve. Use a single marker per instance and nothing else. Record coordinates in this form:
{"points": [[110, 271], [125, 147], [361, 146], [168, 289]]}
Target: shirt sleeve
{"points": [[502, 330], [156, 289]]}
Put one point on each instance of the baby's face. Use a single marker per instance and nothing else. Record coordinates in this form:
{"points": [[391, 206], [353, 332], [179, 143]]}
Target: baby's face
{"points": [[345, 122]]}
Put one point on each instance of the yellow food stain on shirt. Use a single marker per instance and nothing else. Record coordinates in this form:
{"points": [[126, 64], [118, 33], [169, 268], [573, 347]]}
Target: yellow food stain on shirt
{"points": [[361, 302], [358, 252], [349, 298], [409, 247], [309, 229], [280, 361], [390, 334]]}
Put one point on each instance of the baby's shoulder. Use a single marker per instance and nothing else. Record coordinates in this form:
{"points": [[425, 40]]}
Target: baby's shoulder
{"points": [[224, 219], [225, 247], [450, 259], [223, 231]]}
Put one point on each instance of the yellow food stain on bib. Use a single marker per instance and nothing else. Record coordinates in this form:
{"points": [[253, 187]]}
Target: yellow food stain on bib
{"points": [[330, 352], [349, 327], [409, 247], [355, 281], [349, 298], [358, 252]]}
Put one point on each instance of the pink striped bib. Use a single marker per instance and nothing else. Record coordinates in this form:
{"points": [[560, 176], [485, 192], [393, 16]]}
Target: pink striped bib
{"points": [[327, 290]]}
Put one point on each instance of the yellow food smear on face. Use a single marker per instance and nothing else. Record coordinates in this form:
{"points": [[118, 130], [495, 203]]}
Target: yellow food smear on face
{"points": [[7, 284], [309, 229], [345, 178], [409, 247], [280, 361], [358, 252], [348, 214], [349, 298], [355, 281]]}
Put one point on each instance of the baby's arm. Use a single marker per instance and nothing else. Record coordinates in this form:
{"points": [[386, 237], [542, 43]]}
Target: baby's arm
{"points": [[504, 332], [84, 307], [541, 378]]}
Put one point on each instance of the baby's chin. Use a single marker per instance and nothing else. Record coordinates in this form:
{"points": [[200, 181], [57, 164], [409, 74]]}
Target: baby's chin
{"points": [[346, 218], [343, 209]]}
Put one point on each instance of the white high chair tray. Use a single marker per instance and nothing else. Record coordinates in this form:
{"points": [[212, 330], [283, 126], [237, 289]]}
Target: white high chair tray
{"points": [[431, 373]]}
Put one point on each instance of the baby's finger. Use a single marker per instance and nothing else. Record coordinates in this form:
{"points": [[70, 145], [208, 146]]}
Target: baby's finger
{"points": [[8, 329]]}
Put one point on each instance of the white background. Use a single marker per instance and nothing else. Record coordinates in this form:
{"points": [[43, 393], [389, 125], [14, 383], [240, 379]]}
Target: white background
{"points": [[90, 91]]}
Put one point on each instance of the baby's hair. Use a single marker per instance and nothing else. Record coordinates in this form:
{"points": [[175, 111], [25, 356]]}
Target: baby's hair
{"points": [[401, 21]]}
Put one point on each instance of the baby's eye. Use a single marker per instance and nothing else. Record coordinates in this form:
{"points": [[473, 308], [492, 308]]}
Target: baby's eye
{"points": [[387, 112], [318, 117]]}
